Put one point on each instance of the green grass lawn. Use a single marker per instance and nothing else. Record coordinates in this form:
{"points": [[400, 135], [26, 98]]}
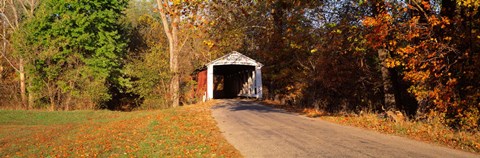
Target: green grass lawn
{"points": [[179, 132]]}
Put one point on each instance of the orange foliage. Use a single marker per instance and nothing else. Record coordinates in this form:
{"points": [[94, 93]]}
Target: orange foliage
{"points": [[442, 73]]}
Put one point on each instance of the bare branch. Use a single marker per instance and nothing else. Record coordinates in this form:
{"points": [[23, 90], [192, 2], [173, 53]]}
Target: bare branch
{"points": [[24, 6], [164, 18], [15, 14], [420, 8], [8, 21], [262, 27], [9, 62], [183, 43]]}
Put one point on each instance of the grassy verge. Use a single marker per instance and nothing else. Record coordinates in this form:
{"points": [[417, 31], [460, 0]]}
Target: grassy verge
{"points": [[432, 131], [188, 131]]}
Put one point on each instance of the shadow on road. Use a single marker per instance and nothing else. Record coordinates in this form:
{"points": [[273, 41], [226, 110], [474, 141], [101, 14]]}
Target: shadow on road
{"points": [[242, 105]]}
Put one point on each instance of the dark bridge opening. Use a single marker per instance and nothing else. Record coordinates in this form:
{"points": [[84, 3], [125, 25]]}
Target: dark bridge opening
{"points": [[231, 81]]}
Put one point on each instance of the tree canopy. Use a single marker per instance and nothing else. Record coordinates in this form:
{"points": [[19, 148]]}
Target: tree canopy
{"points": [[75, 50]]}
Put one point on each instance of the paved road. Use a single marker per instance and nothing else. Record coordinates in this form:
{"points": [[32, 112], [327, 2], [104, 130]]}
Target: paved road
{"points": [[260, 131]]}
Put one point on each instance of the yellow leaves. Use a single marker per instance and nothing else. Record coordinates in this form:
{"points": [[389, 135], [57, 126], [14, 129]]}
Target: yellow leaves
{"points": [[391, 63], [469, 3], [177, 1], [313, 51], [338, 31], [419, 92], [375, 21], [404, 52], [311, 112], [295, 46], [290, 87], [146, 19], [386, 17], [209, 43], [392, 43], [419, 76]]}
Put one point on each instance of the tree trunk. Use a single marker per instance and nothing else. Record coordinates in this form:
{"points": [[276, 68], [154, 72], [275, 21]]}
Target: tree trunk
{"points": [[420, 10], [175, 84], [30, 99], [67, 102], [51, 96], [52, 103], [172, 36], [23, 91], [68, 97], [4, 39], [389, 94]]}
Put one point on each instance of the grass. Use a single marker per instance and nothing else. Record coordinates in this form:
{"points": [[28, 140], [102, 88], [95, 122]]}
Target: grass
{"points": [[187, 131], [432, 131]]}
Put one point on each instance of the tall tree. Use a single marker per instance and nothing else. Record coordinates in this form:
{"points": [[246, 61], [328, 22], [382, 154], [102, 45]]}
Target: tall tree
{"points": [[170, 26], [175, 15], [379, 11]]}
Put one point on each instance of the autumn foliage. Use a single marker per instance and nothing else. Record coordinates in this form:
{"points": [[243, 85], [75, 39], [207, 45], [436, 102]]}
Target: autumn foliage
{"points": [[418, 57], [323, 55], [437, 54]]}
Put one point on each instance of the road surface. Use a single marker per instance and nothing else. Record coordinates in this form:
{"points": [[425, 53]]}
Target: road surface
{"points": [[260, 131]]}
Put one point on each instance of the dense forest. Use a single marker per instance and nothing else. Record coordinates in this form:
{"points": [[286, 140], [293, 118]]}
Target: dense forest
{"points": [[420, 57]]}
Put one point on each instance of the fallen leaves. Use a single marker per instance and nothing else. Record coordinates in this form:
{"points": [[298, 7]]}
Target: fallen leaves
{"points": [[433, 131], [180, 132]]}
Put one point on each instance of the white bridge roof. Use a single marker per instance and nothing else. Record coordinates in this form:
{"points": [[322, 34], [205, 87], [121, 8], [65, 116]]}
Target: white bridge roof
{"points": [[235, 58]]}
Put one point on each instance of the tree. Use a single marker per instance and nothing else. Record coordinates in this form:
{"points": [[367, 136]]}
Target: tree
{"points": [[74, 49], [438, 65], [379, 12], [147, 65], [173, 14]]}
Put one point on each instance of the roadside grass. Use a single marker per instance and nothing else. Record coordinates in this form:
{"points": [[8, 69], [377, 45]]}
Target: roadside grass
{"points": [[187, 131], [432, 131]]}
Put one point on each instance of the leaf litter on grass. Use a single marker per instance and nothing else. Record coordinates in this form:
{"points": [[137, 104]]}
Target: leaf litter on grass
{"points": [[187, 131]]}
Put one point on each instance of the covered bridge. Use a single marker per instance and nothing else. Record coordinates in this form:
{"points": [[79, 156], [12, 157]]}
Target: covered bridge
{"points": [[230, 76]]}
